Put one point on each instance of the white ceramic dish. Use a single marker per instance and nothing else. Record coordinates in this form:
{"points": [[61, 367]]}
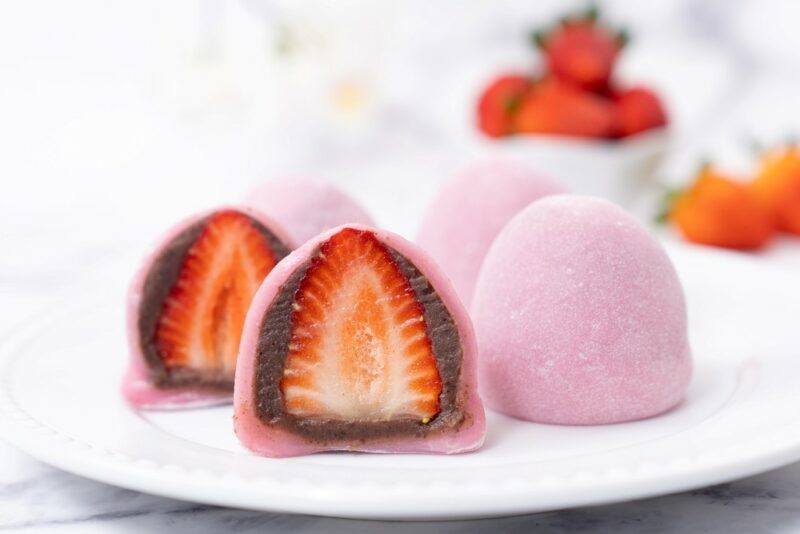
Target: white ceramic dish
{"points": [[59, 402], [616, 170]]}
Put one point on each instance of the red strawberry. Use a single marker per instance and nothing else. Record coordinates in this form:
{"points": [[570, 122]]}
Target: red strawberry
{"points": [[638, 109], [203, 315], [554, 107], [581, 52], [359, 347], [498, 103]]}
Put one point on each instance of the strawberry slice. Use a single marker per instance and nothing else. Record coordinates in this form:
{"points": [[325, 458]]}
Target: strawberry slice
{"points": [[359, 348], [202, 317]]}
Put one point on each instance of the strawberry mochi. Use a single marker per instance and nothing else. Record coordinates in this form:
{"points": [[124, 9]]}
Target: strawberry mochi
{"points": [[580, 317], [356, 341], [187, 304], [305, 207], [470, 210]]}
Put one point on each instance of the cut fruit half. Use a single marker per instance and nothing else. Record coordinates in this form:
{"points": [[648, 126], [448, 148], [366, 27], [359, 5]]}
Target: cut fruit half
{"points": [[190, 304], [349, 345], [359, 348]]}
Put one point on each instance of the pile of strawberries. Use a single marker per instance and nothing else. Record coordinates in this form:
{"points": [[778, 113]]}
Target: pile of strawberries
{"points": [[722, 211], [575, 95]]}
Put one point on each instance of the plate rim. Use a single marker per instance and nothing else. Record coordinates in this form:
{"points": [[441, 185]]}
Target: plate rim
{"points": [[271, 494]]}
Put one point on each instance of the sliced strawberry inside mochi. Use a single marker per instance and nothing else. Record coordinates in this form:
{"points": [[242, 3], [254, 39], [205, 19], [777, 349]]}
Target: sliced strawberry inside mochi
{"points": [[359, 349], [349, 346], [191, 304]]}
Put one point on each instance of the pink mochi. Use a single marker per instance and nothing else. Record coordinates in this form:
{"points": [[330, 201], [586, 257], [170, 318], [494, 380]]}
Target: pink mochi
{"points": [[580, 317], [470, 210], [306, 207], [137, 386], [268, 439]]}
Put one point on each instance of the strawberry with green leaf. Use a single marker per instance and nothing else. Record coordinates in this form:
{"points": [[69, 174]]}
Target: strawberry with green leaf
{"points": [[581, 50]]}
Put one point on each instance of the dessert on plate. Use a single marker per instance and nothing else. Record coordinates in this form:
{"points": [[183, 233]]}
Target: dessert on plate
{"points": [[356, 341], [187, 304], [580, 317]]}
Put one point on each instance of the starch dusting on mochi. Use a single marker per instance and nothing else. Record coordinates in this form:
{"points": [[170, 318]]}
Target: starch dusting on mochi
{"points": [[470, 210], [580, 317], [305, 207]]}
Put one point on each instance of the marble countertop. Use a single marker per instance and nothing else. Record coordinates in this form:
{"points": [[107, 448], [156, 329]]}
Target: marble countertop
{"points": [[175, 112]]}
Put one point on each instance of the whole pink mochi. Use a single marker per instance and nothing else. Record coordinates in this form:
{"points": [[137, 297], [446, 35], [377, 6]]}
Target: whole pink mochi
{"points": [[305, 207], [580, 317], [470, 210]]}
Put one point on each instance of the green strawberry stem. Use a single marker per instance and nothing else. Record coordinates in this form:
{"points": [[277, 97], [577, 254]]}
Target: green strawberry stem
{"points": [[538, 38], [592, 13], [754, 146], [668, 199], [623, 38]]}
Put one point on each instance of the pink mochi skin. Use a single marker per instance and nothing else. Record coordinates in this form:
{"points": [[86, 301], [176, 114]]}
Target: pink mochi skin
{"points": [[276, 442], [470, 210], [305, 207], [580, 317], [137, 387]]}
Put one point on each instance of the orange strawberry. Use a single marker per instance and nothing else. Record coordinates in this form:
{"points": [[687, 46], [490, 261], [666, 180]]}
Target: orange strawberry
{"points": [[777, 186], [498, 103], [554, 107], [202, 317], [359, 348], [638, 109], [719, 211]]}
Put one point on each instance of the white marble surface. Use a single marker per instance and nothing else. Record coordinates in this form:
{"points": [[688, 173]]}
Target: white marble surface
{"points": [[119, 118]]}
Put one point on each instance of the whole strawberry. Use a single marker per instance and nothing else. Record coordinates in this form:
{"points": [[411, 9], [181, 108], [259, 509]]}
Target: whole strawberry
{"points": [[638, 110], [581, 50], [558, 108], [498, 103], [720, 211]]}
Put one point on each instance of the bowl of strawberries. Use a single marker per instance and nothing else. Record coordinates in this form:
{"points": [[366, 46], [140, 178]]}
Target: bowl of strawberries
{"points": [[572, 118]]}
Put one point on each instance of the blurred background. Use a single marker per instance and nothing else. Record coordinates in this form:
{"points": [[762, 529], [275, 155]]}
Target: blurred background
{"points": [[120, 118]]}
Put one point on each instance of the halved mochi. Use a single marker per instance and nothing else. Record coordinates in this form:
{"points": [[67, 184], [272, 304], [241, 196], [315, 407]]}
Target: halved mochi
{"points": [[356, 341], [187, 304]]}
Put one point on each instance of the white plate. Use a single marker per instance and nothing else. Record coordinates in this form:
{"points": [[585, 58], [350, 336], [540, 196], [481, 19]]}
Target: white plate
{"points": [[59, 402]]}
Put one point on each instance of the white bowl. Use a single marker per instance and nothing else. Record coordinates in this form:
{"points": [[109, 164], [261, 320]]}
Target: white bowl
{"points": [[619, 171]]}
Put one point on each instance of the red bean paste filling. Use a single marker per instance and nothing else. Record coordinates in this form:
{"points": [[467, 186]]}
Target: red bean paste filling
{"points": [[163, 274], [273, 347]]}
